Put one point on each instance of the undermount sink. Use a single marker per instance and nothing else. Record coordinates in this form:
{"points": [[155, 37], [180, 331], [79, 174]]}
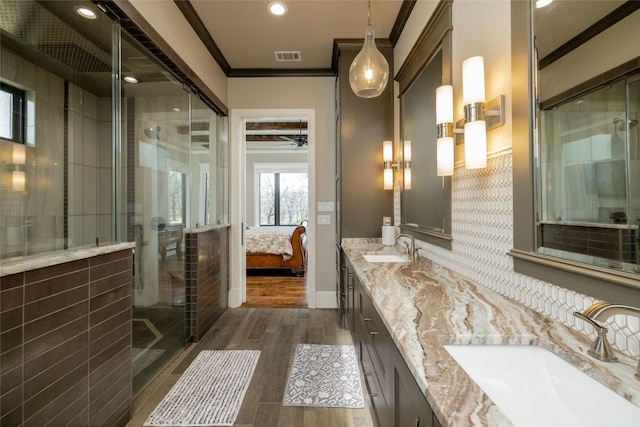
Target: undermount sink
{"points": [[534, 387], [384, 258]]}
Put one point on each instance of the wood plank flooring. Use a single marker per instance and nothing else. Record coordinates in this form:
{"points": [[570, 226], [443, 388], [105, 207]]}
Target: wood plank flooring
{"points": [[276, 332], [276, 292]]}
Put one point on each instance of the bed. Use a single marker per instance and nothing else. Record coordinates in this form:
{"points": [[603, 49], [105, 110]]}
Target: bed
{"points": [[277, 248]]}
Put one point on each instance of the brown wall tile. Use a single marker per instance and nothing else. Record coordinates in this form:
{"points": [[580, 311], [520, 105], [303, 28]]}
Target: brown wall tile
{"points": [[56, 285], [74, 347]]}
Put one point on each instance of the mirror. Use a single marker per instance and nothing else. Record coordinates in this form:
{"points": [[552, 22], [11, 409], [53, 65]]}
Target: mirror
{"points": [[423, 198], [588, 108]]}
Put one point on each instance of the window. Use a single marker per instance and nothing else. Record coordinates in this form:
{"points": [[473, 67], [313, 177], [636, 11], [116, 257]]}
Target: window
{"points": [[12, 113], [177, 201], [284, 198]]}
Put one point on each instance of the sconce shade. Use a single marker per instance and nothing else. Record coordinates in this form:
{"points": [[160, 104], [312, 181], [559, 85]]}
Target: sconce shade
{"points": [[473, 80], [407, 151], [388, 179], [475, 144], [387, 151], [18, 180], [407, 179], [369, 71], [444, 150], [407, 165], [444, 104], [444, 120], [387, 158], [19, 154]]}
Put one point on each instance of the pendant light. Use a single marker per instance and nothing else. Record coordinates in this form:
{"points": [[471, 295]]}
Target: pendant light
{"points": [[369, 71]]}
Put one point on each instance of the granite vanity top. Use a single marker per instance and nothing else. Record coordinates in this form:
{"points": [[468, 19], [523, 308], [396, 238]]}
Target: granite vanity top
{"points": [[425, 306]]}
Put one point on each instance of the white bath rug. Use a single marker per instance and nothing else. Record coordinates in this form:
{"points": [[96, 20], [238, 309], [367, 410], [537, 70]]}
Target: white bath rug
{"points": [[324, 375], [210, 391]]}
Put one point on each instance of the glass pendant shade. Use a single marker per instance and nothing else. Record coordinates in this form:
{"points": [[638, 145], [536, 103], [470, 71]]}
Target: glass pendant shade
{"points": [[369, 71]]}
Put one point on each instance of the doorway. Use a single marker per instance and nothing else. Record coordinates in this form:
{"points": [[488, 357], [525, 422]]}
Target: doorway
{"points": [[275, 178], [277, 205]]}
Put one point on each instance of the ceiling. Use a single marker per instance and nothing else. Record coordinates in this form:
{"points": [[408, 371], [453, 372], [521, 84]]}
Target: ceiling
{"points": [[244, 35]]}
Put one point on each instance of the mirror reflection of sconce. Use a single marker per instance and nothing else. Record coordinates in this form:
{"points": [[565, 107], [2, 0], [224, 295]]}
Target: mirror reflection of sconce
{"points": [[17, 168], [407, 165], [387, 158], [478, 116], [444, 130]]}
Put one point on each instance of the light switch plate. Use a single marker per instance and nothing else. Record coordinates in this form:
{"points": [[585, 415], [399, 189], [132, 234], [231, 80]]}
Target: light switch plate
{"points": [[325, 206], [324, 219]]}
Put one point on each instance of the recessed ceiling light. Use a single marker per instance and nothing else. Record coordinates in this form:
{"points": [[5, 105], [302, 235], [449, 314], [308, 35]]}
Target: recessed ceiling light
{"points": [[176, 109], [130, 79], [277, 8], [85, 12], [543, 3]]}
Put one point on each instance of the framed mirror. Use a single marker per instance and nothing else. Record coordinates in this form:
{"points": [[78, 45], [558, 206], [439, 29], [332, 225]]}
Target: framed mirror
{"points": [[425, 197], [587, 172]]}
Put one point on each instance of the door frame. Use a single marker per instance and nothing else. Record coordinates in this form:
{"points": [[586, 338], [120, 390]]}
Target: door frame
{"points": [[237, 261]]}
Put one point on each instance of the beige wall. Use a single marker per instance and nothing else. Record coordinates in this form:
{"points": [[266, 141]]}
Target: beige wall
{"points": [[315, 93], [592, 58], [181, 37]]}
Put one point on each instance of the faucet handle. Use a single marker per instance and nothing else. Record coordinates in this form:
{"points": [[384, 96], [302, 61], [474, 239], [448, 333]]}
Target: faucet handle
{"points": [[600, 349]]}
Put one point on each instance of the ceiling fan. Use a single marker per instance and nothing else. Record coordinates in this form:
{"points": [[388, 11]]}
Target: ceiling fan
{"points": [[299, 141]]}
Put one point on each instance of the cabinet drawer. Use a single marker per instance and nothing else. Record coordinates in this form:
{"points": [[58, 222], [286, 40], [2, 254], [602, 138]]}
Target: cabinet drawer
{"points": [[373, 388], [374, 333]]}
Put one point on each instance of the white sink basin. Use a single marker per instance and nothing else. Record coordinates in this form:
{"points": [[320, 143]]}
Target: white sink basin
{"points": [[534, 387], [384, 258]]}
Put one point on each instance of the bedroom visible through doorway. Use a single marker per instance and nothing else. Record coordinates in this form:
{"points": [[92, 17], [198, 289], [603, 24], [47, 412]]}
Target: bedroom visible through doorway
{"points": [[277, 212]]}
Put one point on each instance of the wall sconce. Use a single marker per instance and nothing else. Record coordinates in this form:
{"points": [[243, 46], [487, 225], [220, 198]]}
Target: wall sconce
{"points": [[444, 129], [478, 117], [407, 165], [17, 168], [387, 158]]}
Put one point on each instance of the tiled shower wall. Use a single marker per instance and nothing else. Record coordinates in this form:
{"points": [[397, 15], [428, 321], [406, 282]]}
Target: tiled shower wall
{"points": [[207, 278], [89, 168], [482, 226], [65, 346]]}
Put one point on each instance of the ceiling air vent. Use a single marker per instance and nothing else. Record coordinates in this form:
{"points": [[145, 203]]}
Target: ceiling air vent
{"points": [[288, 56]]}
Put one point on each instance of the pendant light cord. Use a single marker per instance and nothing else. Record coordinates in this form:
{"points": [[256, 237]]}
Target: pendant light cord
{"points": [[369, 15]]}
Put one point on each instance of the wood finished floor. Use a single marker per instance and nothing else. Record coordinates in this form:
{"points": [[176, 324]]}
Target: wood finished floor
{"points": [[276, 292], [276, 333]]}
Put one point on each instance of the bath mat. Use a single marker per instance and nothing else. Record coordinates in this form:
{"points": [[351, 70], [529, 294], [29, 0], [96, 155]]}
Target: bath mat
{"points": [[324, 375], [210, 391]]}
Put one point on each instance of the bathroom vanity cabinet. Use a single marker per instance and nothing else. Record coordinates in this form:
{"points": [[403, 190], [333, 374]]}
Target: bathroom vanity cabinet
{"points": [[395, 398], [345, 290]]}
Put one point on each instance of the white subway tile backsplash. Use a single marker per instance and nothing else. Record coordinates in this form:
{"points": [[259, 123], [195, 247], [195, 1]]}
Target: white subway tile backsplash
{"points": [[482, 225]]}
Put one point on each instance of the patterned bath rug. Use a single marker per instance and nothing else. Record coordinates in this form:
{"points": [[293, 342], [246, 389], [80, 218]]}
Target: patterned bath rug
{"points": [[324, 375], [210, 391]]}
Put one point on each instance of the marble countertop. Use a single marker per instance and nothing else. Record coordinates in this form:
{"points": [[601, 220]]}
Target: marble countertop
{"points": [[45, 260], [425, 306]]}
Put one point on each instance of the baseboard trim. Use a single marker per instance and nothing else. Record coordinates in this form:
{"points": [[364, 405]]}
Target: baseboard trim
{"points": [[326, 299]]}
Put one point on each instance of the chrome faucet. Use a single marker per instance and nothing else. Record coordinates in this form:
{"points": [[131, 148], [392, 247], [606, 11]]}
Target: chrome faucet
{"points": [[601, 312], [410, 248]]}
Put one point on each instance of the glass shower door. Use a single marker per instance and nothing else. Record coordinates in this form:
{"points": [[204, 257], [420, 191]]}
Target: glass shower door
{"points": [[156, 140]]}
